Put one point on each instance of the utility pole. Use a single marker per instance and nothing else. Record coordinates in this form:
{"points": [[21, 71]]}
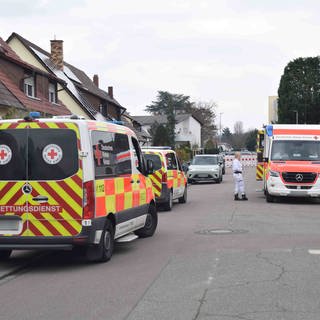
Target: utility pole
{"points": [[220, 127]]}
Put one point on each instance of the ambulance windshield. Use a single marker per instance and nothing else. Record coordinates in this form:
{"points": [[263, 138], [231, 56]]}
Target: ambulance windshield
{"points": [[38, 154], [295, 150]]}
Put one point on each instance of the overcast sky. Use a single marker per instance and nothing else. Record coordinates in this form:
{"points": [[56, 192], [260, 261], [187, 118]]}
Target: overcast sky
{"points": [[230, 52]]}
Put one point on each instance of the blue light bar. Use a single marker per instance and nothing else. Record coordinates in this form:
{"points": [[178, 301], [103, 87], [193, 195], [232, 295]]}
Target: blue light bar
{"points": [[34, 114], [116, 122], [269, 130]]}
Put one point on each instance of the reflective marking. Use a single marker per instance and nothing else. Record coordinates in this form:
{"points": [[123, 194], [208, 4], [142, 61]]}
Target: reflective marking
{"points": [[314, 251]]}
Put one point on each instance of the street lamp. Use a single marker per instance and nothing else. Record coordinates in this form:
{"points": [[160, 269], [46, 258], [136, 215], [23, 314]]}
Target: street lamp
{"points": [[297, 115]]}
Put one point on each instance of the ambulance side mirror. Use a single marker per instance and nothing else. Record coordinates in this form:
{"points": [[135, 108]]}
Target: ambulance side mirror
{"points": [[150, 168]]}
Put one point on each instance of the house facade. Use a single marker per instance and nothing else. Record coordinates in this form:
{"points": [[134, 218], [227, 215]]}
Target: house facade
{"points": [[25, 88], [76, 90], [187, 130]]}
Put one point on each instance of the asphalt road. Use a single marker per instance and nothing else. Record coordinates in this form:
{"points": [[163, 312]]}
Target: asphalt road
{"points": [[211, 258]]}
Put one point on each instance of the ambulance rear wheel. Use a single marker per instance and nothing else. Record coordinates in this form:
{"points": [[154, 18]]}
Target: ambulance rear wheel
{"points": [[169, 203], [150, 225], [5, 254], [104, 250], [183, 199]]}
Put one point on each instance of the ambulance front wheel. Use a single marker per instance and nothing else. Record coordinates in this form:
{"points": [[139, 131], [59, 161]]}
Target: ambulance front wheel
{"points": [[151, 223], [5, 254], [269, 197], [104, 250]]}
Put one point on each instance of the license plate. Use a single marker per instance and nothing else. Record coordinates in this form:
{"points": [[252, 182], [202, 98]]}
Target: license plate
{"points": [[10, 225], [202, 175]]}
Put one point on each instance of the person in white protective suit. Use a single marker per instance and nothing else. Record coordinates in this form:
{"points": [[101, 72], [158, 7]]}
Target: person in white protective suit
{"points": [[238, 178]]}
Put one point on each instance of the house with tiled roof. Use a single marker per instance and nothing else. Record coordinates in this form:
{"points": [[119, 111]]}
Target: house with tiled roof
{"points": [[25, 88], [77, 91], [187, 129]]}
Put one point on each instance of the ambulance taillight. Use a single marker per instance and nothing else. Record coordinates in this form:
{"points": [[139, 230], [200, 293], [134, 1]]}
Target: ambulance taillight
{"points": [[164, 177], [88, 200]]}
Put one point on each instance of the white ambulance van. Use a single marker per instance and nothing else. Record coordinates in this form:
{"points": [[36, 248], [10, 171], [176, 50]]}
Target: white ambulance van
{"points": [[66, 183]]}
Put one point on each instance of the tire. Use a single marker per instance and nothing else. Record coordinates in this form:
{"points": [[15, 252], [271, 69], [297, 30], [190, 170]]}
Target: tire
{"points": [[151, 223], [104, 250], [5, 254], [167, 206], [219, 180], [184, 198], [269, 197]]}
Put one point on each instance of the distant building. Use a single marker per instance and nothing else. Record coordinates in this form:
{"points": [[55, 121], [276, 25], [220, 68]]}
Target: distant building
{"points": [[273, 109], [188, 128]]}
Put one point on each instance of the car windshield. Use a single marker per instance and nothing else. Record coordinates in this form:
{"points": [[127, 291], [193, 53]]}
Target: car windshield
{"points": [[295, 150], [202, 161]]}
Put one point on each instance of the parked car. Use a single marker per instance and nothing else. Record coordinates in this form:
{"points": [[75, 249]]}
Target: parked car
{"points": [[205, 167]]}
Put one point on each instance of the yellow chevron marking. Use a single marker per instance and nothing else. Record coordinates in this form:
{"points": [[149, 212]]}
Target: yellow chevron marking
{"points": [[5, 126], [74, 186], [42, 229], [55, 223], [64, 195], [11, 192]]}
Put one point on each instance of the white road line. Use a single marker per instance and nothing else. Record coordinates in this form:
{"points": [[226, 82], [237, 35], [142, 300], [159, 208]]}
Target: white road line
{"points": [[314, 251]]}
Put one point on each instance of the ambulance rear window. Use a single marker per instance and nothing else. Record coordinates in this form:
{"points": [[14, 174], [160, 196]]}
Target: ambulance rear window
{"points": [[38, 154], [155, 159]]}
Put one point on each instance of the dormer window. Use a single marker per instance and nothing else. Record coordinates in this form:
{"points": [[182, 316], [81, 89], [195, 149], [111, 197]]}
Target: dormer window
{"points": [[28, 86], [52, 93]]}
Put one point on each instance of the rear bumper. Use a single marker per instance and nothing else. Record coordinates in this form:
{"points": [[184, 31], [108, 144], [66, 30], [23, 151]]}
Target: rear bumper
{"points": [[86, 237]]}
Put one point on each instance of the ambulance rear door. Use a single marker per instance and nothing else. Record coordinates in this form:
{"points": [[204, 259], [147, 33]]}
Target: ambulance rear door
{"points": [[41, 180]]}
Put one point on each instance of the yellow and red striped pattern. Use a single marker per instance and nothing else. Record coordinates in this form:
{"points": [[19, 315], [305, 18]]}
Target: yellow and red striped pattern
{"points": [[259, 172], [67, 194], [117, 194]]}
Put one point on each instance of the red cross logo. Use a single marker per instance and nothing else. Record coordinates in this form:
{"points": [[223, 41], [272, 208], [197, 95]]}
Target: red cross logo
{"points": [[3, 154], [52, 154], [97, 154]]}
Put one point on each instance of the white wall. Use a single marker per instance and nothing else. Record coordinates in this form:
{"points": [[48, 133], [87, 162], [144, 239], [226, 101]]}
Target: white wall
{"points": [[189, 130]]}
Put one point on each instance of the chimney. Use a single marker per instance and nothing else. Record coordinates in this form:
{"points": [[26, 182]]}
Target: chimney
{"points": [[110, 92], [57, 53], [96, 80]]}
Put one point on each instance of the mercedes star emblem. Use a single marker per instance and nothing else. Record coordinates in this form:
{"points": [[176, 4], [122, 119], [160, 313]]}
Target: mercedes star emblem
{"points": [[299, 177], [27, 189]]}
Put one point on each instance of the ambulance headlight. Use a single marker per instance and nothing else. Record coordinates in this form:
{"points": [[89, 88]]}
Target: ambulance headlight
{"points": [[274, 173]]}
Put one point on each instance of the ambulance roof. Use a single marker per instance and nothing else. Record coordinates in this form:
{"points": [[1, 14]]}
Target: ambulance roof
{"points": [[91, 124]]}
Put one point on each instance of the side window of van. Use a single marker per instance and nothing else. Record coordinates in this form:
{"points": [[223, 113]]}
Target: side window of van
{"points": [[138, 158], [171, 161], [122, 154], [111, 153], [103, 154]]}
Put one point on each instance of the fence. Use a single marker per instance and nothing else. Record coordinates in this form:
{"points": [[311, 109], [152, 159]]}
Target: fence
{"points": [[247, 160]]}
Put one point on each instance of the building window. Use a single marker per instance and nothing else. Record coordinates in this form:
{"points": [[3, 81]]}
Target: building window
{"points": [[28, 86], [52, 93]]}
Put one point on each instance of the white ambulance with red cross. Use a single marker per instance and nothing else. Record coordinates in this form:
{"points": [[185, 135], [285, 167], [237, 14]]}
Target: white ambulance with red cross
{"points": [[66, 183]]}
